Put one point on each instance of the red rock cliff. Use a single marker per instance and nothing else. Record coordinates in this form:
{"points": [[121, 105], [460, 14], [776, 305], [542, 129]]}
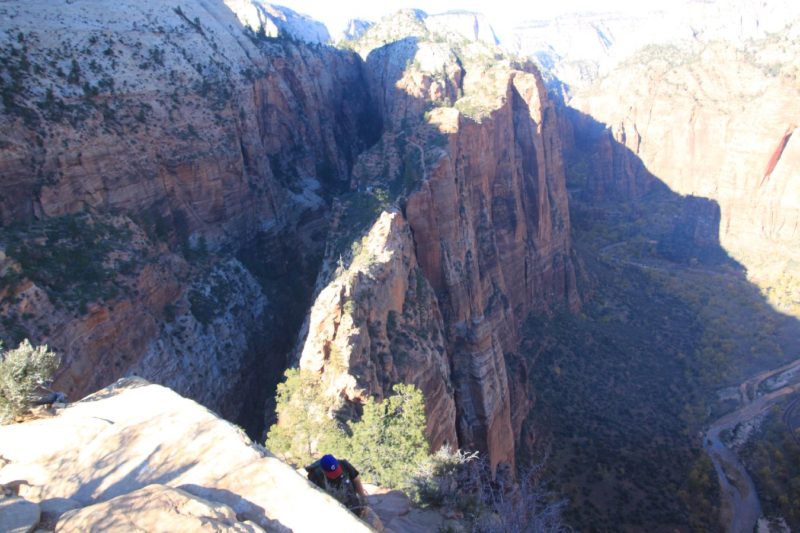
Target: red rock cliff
{"points": [[196, 134], [488, 216]]}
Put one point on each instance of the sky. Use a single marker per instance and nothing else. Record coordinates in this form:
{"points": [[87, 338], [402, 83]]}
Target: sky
{"points": [[502, 14]]}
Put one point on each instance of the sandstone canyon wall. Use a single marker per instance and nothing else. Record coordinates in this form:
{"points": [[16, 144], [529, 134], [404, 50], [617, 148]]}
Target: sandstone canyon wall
{"points": [[482, 238], [204, 180], [167, 137]]}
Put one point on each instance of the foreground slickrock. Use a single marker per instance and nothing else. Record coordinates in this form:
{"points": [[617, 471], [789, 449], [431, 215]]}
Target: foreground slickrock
{"points": [[155, 508], [137, 455]]}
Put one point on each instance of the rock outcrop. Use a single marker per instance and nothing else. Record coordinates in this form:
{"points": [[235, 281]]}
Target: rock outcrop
{"points": [[155, 507], [138, 455], [378, 323], [492, 231], [483, 196], [278, 21]]}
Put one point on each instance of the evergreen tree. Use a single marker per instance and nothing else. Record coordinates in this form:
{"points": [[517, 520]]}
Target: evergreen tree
{"points": [[388, 443], [305, 424]]}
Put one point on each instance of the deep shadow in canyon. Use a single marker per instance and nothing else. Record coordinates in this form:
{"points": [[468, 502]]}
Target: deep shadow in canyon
{"points": [[624, 388]]}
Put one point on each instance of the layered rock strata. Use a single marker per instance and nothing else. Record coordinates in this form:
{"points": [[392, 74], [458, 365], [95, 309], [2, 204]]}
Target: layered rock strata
{"points": [[488, 214], [201, 136]]}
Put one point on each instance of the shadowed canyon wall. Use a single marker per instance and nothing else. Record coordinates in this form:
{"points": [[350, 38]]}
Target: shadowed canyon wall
{"points": [[171, 140], [712, 120]]}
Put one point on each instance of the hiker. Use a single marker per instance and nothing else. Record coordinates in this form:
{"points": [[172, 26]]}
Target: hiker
{"points": [[339, 479]]}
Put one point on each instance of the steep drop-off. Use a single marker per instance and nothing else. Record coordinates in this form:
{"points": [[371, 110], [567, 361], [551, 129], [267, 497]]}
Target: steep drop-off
{"points": [[176, 186], [144, 151], [138, 456], [484, 238]]}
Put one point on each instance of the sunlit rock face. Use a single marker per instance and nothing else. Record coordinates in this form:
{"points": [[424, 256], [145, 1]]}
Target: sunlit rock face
{"points": [[484, 231], [137, 453], [142, 149], [278, 21], [378, 323]]}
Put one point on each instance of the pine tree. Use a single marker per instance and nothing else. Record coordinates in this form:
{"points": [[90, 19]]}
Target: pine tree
{"points": [[305, 424], [386, 445]]}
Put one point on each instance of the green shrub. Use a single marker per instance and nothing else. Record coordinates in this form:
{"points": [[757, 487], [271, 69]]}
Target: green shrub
{"points": [[22, 371], [303, 410], [388, 447], [388, 443]]}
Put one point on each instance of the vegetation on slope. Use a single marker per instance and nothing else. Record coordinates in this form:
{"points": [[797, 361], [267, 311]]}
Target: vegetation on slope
{"points": [[387, 443], [388, 447], [23, 371], [772, 456], [626, 387]]}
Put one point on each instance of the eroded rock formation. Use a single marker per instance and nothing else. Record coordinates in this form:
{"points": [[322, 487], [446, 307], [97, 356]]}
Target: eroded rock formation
{"points": [[203, 139], [488, 215]]}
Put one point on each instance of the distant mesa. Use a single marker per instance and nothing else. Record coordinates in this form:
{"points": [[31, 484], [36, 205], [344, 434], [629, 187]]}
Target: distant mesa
{"points": [[469, 25], [453, 25]]}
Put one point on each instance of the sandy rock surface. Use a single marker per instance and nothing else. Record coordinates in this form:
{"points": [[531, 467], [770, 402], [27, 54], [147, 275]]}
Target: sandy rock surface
{"points": [[135, 435]]}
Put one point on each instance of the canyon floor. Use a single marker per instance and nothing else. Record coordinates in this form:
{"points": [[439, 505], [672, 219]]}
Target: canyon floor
{"points": [[627, 387]]}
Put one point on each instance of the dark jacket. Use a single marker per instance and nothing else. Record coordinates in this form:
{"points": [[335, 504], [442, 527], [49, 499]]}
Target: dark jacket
{"points": [[341, 488]]}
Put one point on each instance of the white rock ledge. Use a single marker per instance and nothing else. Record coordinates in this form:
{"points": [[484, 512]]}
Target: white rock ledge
{"points": [[134, 434]]}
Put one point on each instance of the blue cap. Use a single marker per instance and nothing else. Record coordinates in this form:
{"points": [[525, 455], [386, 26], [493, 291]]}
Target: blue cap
{"points": [[330, 465]]}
